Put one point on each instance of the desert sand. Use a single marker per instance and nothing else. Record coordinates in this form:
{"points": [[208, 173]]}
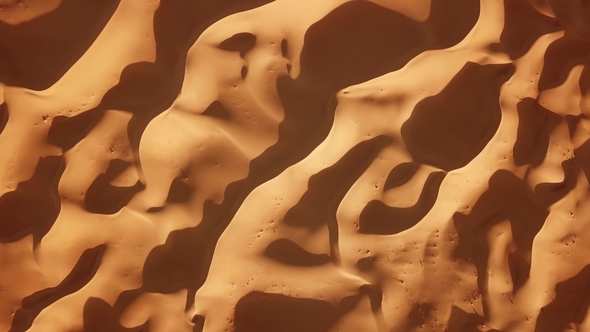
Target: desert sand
{"points": [[294, 165]]}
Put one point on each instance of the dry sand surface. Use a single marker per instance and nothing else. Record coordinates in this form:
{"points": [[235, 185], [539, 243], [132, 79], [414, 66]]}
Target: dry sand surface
{"points": [[294, 165]]}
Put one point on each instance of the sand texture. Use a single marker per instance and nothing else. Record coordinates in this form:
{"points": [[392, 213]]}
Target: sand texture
{"points": [[294, 165]]}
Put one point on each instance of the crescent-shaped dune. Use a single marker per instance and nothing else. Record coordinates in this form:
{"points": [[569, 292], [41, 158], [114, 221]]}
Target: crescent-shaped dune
{"points": [[294, 165]]}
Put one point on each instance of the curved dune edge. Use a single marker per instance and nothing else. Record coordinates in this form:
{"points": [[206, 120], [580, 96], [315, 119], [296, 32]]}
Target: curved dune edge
{"points": [[258, 165]]}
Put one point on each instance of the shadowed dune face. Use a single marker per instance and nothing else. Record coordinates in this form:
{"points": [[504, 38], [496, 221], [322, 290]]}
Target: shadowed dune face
{"points": [[275, 312], [36, 53], [31, 209], [460, 120], [491, 209], [294, 165], [359, 40], [523, 25]]}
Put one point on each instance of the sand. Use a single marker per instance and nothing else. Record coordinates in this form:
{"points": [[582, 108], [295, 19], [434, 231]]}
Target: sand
{"points": [[294, 165]]}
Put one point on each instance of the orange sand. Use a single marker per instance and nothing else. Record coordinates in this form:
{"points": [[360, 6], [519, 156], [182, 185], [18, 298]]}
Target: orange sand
{"points": [[296, 165]]}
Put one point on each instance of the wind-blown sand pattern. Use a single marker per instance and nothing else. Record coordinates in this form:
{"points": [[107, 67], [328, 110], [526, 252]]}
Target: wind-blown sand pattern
{"points": [[296, 165]]}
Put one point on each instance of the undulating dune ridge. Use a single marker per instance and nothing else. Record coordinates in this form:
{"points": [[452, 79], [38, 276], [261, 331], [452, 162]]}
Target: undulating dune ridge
{"points": [[295, 165]]}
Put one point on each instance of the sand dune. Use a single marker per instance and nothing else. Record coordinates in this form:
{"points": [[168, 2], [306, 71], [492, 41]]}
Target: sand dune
{"points": [[295, 165]]}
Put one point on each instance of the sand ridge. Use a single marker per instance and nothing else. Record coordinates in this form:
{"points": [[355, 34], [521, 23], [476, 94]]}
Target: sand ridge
{"points": [[258, 165]]}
